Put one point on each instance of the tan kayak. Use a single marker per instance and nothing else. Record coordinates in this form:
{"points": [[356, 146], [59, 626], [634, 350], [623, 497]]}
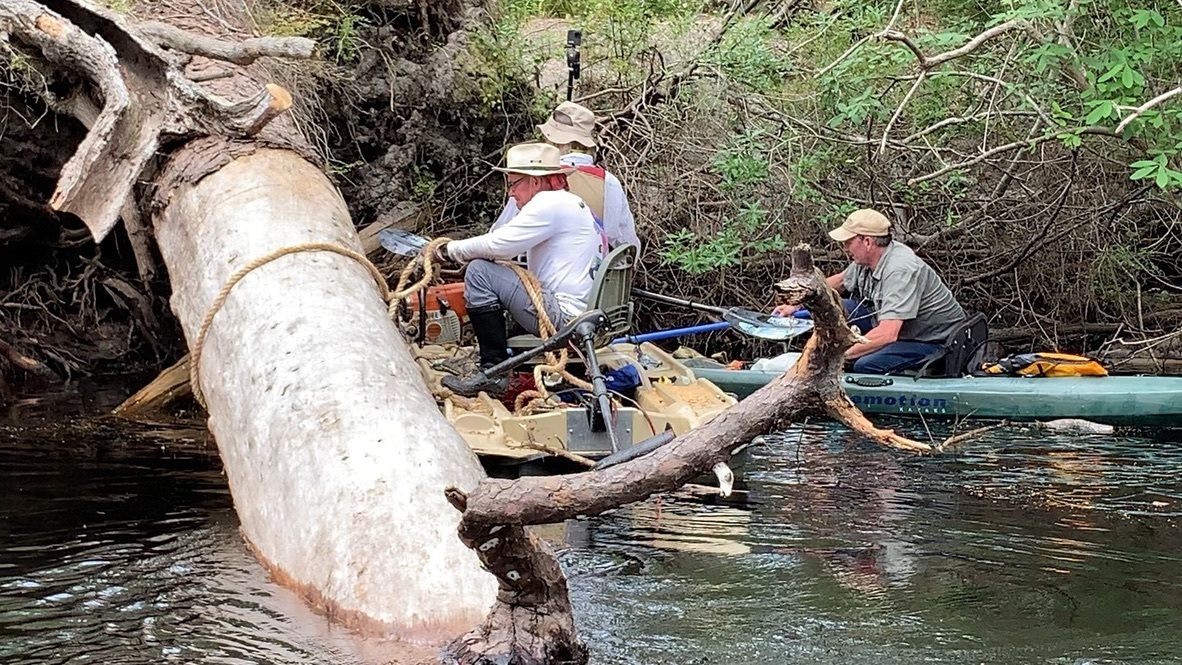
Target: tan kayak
{"points": [[669, 396]]}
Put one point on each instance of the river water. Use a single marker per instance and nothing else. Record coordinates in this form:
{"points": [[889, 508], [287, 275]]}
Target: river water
{"points": [[119, 544]]}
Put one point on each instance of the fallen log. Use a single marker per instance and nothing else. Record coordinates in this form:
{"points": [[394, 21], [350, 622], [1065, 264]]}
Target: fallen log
{"points": [[335, 452], [531, 621]]}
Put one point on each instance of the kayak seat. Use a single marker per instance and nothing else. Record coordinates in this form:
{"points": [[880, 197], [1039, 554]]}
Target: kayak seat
{"points": [[611, 293], [961, 354]]}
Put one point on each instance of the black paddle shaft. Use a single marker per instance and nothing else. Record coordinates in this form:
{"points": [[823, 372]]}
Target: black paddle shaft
{"points": [[669, 300]]}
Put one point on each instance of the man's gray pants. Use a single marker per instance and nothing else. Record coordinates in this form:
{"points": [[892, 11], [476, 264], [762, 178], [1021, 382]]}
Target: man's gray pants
{"points": [[487, 284]]}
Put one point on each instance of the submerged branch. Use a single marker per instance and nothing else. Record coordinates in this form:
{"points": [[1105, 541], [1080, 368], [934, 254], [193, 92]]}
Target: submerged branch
{"points": [[496, 510]]}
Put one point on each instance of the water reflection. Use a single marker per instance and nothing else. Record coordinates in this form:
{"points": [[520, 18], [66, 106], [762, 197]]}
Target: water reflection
{"points": [[1027, 547], [119, 544]]}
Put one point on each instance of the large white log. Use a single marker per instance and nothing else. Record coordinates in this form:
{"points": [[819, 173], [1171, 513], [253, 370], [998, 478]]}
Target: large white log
{"points": [[335, 452]]}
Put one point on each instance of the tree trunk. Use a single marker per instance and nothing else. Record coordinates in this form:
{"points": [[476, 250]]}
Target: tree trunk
{"points": [[335, 452]]}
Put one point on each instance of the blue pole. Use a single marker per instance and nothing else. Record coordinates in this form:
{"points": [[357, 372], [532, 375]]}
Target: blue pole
{"points": [[674, 332]]}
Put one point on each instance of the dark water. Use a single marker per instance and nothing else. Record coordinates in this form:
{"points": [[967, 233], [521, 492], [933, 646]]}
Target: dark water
{"points": [[118, 544]]}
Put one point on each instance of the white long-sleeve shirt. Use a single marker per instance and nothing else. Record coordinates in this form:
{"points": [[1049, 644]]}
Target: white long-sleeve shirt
{"points": [[556, 232], [618, 222]]}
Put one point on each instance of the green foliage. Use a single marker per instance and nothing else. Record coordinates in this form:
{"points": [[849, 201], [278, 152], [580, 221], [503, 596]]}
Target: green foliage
{"points": [[1157, 171], [333, 23], [743, 167], [496, 64], [747, 54], [423, 183], [19, 72], [119, 5], [1123, 263], [743, 164]]}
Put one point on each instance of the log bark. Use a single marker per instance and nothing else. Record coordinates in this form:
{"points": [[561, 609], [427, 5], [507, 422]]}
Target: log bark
{"points": [[530, 622], [334, 450]]}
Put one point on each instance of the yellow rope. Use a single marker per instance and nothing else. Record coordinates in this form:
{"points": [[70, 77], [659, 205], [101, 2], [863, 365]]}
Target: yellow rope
{"points": [[424, 261], [555, 363], [195, 361]]}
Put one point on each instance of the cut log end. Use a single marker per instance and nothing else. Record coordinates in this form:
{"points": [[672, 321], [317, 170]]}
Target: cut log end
{"points": [[52, 27], [280, 97], [519, 635]]}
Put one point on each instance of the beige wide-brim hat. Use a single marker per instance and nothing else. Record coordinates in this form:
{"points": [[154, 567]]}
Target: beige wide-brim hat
{"points": [[570, 123], [536, 159], [864, 222]]}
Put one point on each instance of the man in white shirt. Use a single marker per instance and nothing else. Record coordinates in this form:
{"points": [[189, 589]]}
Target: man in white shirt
{"points": [[571, 128], [558, 235]]}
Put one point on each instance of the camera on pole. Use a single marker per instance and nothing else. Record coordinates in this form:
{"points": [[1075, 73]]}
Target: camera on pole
{"points": [[574, 39]]}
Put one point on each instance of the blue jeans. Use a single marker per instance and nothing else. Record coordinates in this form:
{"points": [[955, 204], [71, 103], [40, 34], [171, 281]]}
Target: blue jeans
{"points": [[895, 357]]}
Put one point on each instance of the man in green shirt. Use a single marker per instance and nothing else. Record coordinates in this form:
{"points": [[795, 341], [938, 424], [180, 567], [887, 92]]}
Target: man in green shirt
{"points": [[898, 302]]}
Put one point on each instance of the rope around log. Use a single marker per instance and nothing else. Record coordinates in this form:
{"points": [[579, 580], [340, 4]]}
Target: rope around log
{"points": [[428, 264], [195, 362]]}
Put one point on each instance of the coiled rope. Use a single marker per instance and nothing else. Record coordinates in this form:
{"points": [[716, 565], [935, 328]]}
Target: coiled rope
{"points": [[529, 400]]}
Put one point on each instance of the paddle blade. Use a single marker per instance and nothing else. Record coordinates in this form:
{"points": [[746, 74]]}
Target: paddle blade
{"points": [[766, 326], [402, 243]]}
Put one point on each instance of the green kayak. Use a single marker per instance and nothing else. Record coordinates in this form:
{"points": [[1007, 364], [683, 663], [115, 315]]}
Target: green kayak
{"points": [[1114, 400]]}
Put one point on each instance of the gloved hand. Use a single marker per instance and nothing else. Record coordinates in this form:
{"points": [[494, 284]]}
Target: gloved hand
{"points": [[440, 255]]}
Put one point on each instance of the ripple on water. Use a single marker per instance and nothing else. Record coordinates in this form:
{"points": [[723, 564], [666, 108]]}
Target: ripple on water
{"points": [[129, 553], [1022, 547]]}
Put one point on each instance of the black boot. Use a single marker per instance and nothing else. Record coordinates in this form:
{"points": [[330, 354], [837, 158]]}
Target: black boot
{"points": [[493, 339]]}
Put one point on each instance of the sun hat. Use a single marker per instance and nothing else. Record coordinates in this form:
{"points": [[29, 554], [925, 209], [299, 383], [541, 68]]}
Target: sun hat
{"points": [[536, 159], [570, 123], [864, 222]]}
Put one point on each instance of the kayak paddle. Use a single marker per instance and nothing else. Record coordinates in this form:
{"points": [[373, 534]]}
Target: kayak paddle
{"points": [[746, 321], [401, 242]]}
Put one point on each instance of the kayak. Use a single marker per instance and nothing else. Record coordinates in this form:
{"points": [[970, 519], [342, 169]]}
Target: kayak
{"points": [[1114, 400], [535, 441]]}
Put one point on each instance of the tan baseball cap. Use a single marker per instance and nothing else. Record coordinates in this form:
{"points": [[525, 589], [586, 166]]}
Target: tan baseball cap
{"points": [[864, 222], [570, 123]]}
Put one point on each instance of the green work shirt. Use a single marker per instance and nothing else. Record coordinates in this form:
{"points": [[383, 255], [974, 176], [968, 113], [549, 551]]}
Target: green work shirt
{"points": [[903, 287]]}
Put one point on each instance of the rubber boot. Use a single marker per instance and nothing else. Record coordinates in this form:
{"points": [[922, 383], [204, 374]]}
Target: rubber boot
{"points": [[492, 338]]}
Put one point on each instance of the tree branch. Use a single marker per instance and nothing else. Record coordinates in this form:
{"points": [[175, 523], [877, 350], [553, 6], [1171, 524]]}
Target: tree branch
{"points": [[135, 96], [1025, 143], [931, 62], [1137, 112], [496, 510], [886, 131], [239, 53]]}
